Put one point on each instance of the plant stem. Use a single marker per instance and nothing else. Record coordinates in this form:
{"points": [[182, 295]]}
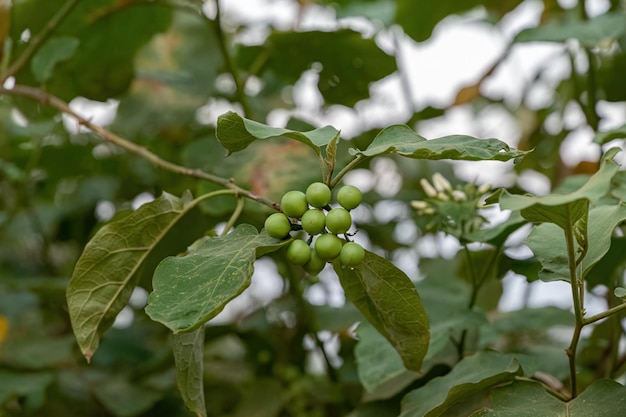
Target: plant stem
{"points": [[356, 161], [38, 40], [578, 309], [53, 101], [228, 62], [233, 217], [604, 314]]}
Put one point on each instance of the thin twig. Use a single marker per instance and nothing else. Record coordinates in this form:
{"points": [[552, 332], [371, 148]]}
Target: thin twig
{"points": [[38, 40], [578, 310], [356, 161], [233, 217], [228, 62], [53, 101]]}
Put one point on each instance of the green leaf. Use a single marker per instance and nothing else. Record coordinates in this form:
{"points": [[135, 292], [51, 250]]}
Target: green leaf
{"points": [[564, 210], [402, 140], [603, 398], [348, 63], [22, 384], [620, 292], [188, 350], [110, 34], [588, 32], [108, 269], [377, 361], [54, 50], [389, 301], [499, 233], [609, 135], [235, 133], [471, 376], [548, 243], [125, 398], [192, 289]]}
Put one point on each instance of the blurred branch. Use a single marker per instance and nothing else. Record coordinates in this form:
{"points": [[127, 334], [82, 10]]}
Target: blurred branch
{"points": [[407, 93], [53, 101], [228, 62], [38, 40]]}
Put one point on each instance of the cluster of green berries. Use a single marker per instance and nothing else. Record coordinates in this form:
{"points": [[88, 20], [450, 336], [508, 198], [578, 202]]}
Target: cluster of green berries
{"points": [[317, 218]]}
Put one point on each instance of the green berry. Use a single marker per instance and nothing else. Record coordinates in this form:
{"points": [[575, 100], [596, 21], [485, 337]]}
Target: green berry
{"points": [[277, 226], [338, 220], [313, 221], [318, 194], [352, 254], [315, 264], [349, 197], [294, 204], [298, 252], [328, 246]]}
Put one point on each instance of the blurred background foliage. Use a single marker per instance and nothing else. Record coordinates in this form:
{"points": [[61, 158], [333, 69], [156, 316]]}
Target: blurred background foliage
{"points": [[159, 72]]}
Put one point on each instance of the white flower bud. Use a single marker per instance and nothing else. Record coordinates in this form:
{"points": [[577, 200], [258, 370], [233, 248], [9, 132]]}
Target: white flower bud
{"points": [[419, 205], [484, 188], [443, 196], [458, 195], [428, 189], [441, 183]]}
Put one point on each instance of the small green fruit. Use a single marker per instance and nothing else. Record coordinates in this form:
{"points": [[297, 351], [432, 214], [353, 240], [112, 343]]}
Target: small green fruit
{"points": [[318, 194], [338, 220], [315, 264], [298, 252], [277, 226], [349, 197], [294, 204], [313, 221], [328, 246], [352, 254]]}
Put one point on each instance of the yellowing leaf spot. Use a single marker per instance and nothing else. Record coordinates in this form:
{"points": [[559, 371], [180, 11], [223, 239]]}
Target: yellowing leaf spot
{"points": [[4, 328]]}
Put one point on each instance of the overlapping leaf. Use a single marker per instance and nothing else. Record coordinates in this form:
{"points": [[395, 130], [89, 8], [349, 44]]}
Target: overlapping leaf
{"points": [[190, 290], [188, 350], [588, 32], [390, 302], [402, 140], [235, 133], [548, 243], [562, 209], [603, 398], [107, 270], [471, 376]]}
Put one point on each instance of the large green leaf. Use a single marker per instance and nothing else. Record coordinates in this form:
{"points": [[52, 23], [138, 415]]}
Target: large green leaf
{"points": [[190, 290], [471, 376], [349, 62], [606, 136], [548, 242], [603, 398], [236, 133], [109, 267], [188, 350], [53, 51], [419, 17], [23, 384], [588, 32], [390, 302], [377, 361], [171, 83], [564, 210], [402, 140], [110, 34]]}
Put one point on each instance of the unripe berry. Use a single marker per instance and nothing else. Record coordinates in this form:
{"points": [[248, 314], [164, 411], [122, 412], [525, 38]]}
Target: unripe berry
{"points": [[315, 264], [318, 194], [294, 204], [349, 197], [298, 252], [277, 226], [328, 246], [352, 254], [338, 220], [313, 221]]}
